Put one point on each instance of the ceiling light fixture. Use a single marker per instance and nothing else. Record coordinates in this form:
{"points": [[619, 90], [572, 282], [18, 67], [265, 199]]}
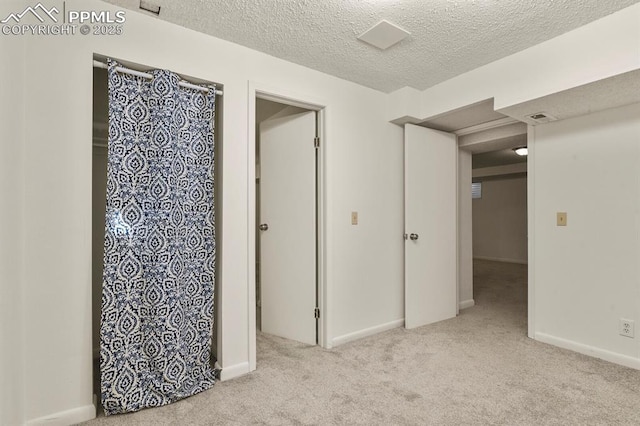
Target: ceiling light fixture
{"points": [[521, 150]]}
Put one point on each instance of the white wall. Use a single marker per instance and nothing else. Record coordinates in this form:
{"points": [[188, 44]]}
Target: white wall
{"points": [[500, 220], [11, 195], [465, 232], [364, 173], [587, 274]]}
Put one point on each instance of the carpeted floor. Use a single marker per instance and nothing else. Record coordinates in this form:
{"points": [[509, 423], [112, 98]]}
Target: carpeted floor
{"points": [[478, 368]]}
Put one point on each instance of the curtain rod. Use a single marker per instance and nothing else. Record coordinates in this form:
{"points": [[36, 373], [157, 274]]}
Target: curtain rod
{"points": [[98, 64]]}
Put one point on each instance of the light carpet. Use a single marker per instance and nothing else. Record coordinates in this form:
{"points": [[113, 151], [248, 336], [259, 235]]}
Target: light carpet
{"points": [[478, 368]]}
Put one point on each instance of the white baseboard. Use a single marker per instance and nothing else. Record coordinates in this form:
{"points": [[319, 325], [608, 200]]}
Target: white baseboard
{"points": [[604, 354], [501, 259], [234, 371], [68, 417], [466, 304], [341, 340]]}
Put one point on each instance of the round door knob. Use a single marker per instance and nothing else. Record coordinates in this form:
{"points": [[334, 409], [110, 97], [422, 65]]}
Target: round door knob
{"points": [[263, 227], [413, 237]]}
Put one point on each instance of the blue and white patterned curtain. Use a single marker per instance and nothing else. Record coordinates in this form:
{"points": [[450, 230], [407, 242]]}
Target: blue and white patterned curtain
{"points": [[157, 297]]}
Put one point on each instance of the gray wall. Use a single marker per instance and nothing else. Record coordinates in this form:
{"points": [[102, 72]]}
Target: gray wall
{"points": [[500, 220]]}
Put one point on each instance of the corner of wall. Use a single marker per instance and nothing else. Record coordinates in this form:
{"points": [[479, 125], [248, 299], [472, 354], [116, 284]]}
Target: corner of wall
{"points": [[464, 304], [404, 106], [531, 282]]}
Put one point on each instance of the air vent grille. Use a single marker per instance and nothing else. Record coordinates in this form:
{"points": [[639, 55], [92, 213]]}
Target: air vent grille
{"points": [[541, 117]]}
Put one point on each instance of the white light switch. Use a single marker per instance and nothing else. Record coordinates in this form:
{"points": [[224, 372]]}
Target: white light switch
{"points": [[354, 218]]}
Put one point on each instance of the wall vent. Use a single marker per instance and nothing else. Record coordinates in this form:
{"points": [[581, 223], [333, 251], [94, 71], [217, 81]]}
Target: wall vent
{"points": [[541, 117]]}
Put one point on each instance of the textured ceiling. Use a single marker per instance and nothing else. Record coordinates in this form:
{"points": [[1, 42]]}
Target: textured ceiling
{"points": [[448, 37]]}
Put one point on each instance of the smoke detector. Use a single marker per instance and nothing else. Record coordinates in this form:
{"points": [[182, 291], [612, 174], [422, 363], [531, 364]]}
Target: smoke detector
{"points": [[383, 35], [541, 117]]}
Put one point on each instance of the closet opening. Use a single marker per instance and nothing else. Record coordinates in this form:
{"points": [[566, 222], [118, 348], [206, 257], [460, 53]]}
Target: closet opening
{"points": [[100, 143]]}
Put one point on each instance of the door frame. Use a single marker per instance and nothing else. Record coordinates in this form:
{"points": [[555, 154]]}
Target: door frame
{"points": [[468, 244], [288, 97]]}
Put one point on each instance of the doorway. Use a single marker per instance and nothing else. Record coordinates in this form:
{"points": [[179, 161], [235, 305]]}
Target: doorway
{"points": [[287, 179], [485, 137], [499, 228], [499, 198]]}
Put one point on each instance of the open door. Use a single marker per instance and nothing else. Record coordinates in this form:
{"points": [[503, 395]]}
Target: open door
{"points": [[430, 165], [287, 228]]}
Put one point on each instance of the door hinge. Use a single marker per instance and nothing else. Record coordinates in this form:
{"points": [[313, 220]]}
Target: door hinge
{"points": [[316, 312], [316, 142]]}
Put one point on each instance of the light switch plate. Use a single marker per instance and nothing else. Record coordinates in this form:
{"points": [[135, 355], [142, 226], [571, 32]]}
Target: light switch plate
{"points": [[561, 218], [354, 218]]}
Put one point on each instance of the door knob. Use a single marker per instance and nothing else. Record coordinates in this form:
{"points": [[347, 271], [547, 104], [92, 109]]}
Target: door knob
{"points": [[263, 227], [413, 237]]}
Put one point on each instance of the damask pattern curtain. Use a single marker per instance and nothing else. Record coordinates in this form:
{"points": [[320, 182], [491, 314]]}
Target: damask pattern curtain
{"points": [[157, 301]]}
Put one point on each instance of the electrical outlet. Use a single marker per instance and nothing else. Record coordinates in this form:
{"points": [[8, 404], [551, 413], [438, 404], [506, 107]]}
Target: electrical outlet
{"points": [[626, 327]]}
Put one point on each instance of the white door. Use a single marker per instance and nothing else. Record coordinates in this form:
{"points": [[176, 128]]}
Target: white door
{"points": [[430, 166], [287, 229]]}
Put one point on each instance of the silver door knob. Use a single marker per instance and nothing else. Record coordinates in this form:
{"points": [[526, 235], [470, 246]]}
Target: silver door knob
{"points": [[413, 237], [263, 227]]}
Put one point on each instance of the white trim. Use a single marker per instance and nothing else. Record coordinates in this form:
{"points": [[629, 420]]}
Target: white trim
{"points": [[604, 354], [341, 340], [251, 225], [501, 259], [464, 304], [67, 417], [486, 126], [457, 227], [531, 216], [234, 371], [324, 328], [258, 90]]}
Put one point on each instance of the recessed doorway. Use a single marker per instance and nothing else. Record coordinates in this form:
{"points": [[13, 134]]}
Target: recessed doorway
{"points": [[287, 237]]}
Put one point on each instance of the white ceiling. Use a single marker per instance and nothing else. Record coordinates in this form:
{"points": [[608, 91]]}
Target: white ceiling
{"points": [[448, 37]]}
